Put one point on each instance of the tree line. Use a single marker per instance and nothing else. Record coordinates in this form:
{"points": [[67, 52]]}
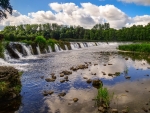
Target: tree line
{"points": [[100, 32]]}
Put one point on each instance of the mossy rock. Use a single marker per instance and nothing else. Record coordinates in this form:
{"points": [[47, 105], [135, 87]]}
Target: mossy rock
{"points": [[10, 84]]}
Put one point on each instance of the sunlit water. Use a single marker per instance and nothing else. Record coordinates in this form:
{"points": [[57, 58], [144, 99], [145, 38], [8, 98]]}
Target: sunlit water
{"points": [[33, 85]]}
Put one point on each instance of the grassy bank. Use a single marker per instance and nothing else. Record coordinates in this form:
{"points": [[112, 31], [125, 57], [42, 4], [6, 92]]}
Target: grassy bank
{"points": [[1, 50], [143, 47]]}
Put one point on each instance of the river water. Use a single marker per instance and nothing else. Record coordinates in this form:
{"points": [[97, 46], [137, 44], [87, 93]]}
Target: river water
{"points": [[130, 93]]}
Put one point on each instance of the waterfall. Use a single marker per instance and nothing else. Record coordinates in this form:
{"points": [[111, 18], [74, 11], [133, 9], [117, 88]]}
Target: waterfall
{"points": [[18, 53], [27, 49], [38, 50], [72, 46], [46, 51], [30, 47], [50, 49], [81, 44], [56, 48], [6, 55], [66, 47]]}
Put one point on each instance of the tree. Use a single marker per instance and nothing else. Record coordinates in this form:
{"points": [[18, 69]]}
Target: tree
{"points": [[5, 7]]}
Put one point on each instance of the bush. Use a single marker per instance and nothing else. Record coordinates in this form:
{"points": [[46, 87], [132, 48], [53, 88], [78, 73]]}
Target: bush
{"points": [[41, 41], [1, 50]]}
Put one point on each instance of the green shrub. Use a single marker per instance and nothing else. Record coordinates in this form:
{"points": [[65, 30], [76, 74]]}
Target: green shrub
{"points": [[41, 41], [1, 50]]}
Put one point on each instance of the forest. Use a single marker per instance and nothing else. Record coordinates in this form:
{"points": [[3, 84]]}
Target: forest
{"points": [[100, 32]]}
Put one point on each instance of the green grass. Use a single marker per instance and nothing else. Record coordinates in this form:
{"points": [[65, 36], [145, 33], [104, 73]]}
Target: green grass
{"points": [[103, 96], [143, 47]]}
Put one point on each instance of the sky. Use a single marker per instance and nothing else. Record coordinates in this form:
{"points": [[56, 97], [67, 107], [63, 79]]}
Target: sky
{"points": [[119, 13]]}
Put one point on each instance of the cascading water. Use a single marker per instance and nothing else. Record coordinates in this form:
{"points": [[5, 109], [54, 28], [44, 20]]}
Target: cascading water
{"points": [[81, 44], [18, 53], [66, 47], [50, 49], [38, 50], [30, 47], [6, 55], [56, 48], [27, 49]]}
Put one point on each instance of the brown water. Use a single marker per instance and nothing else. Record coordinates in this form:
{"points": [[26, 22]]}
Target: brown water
{"points": [[132, 93]]}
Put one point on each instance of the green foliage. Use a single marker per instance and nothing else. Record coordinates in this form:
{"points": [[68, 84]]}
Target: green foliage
{"points": [[3, 88], [5, 7], [1, 50], [52, 43], [17, 89], [143, 47], [41, 41], [103, 96]]}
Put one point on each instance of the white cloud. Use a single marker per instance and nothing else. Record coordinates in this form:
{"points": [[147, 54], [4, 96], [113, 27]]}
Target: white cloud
{"points": [[139, 2], [87, 15]]}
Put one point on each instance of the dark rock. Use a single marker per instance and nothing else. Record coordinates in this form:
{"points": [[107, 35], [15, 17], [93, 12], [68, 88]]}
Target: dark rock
{"points": [[50, 80], [103, 73], [127, 77], [114, 111], [144, 109], [45, 93], [104, 64], [127, 91], [89, 81], [53, 77], [95, 64], [110, 74], [62, 81], [97, 83], [66, 77], [85, 78], [126, 58], [62, 94], [42, 77], [124, 111], [66, 72], [75, 99], [109, 64], [62, 75]]}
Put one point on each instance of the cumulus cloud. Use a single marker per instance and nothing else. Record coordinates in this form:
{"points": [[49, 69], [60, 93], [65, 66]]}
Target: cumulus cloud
{"points": [[86, 15], [139, 2]]}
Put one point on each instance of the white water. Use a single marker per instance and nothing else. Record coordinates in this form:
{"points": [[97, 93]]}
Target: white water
{"points": [[50, 49], [56, 48], [27, 49], [38, 50], [66, 47], [6, 55], [18, 53], [81, 44], [30, 47]]}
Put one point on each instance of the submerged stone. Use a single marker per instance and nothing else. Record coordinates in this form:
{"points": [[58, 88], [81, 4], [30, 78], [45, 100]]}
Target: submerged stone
{"points": [[66, 72], [114, 111], [97, 83], [62, 94], [45, 93], [75, 99], [50, 80], [89, 81], [127, 77]]}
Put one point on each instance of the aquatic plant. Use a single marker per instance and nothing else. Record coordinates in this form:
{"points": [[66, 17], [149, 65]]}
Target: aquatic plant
{"points": [[143, 47], [103, 96]]}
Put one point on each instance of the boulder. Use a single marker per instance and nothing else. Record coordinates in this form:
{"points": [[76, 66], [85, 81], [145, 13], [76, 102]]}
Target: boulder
{"points": [[97, 83]]}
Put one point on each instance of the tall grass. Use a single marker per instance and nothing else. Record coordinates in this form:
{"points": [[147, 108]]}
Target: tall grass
{"points": [[103, 96], [143, 47]]}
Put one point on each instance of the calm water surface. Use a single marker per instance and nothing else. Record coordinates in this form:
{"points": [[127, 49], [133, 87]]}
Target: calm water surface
{"points": [[33, 85]]}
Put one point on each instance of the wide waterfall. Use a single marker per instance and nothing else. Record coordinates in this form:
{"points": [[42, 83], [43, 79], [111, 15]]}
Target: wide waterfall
{"points": [[20, 50]]}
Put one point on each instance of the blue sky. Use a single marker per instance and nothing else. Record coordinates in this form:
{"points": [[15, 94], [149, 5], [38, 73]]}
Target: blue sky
{"points": [[27, 6], [119, 13]]}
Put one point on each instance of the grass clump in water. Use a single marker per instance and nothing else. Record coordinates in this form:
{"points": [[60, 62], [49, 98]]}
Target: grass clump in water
{"points": [[143, 47], [103, 96]]}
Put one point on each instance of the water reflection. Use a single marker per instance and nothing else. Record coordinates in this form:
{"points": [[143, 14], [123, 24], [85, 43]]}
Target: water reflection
{"points": [[105, 60]]}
